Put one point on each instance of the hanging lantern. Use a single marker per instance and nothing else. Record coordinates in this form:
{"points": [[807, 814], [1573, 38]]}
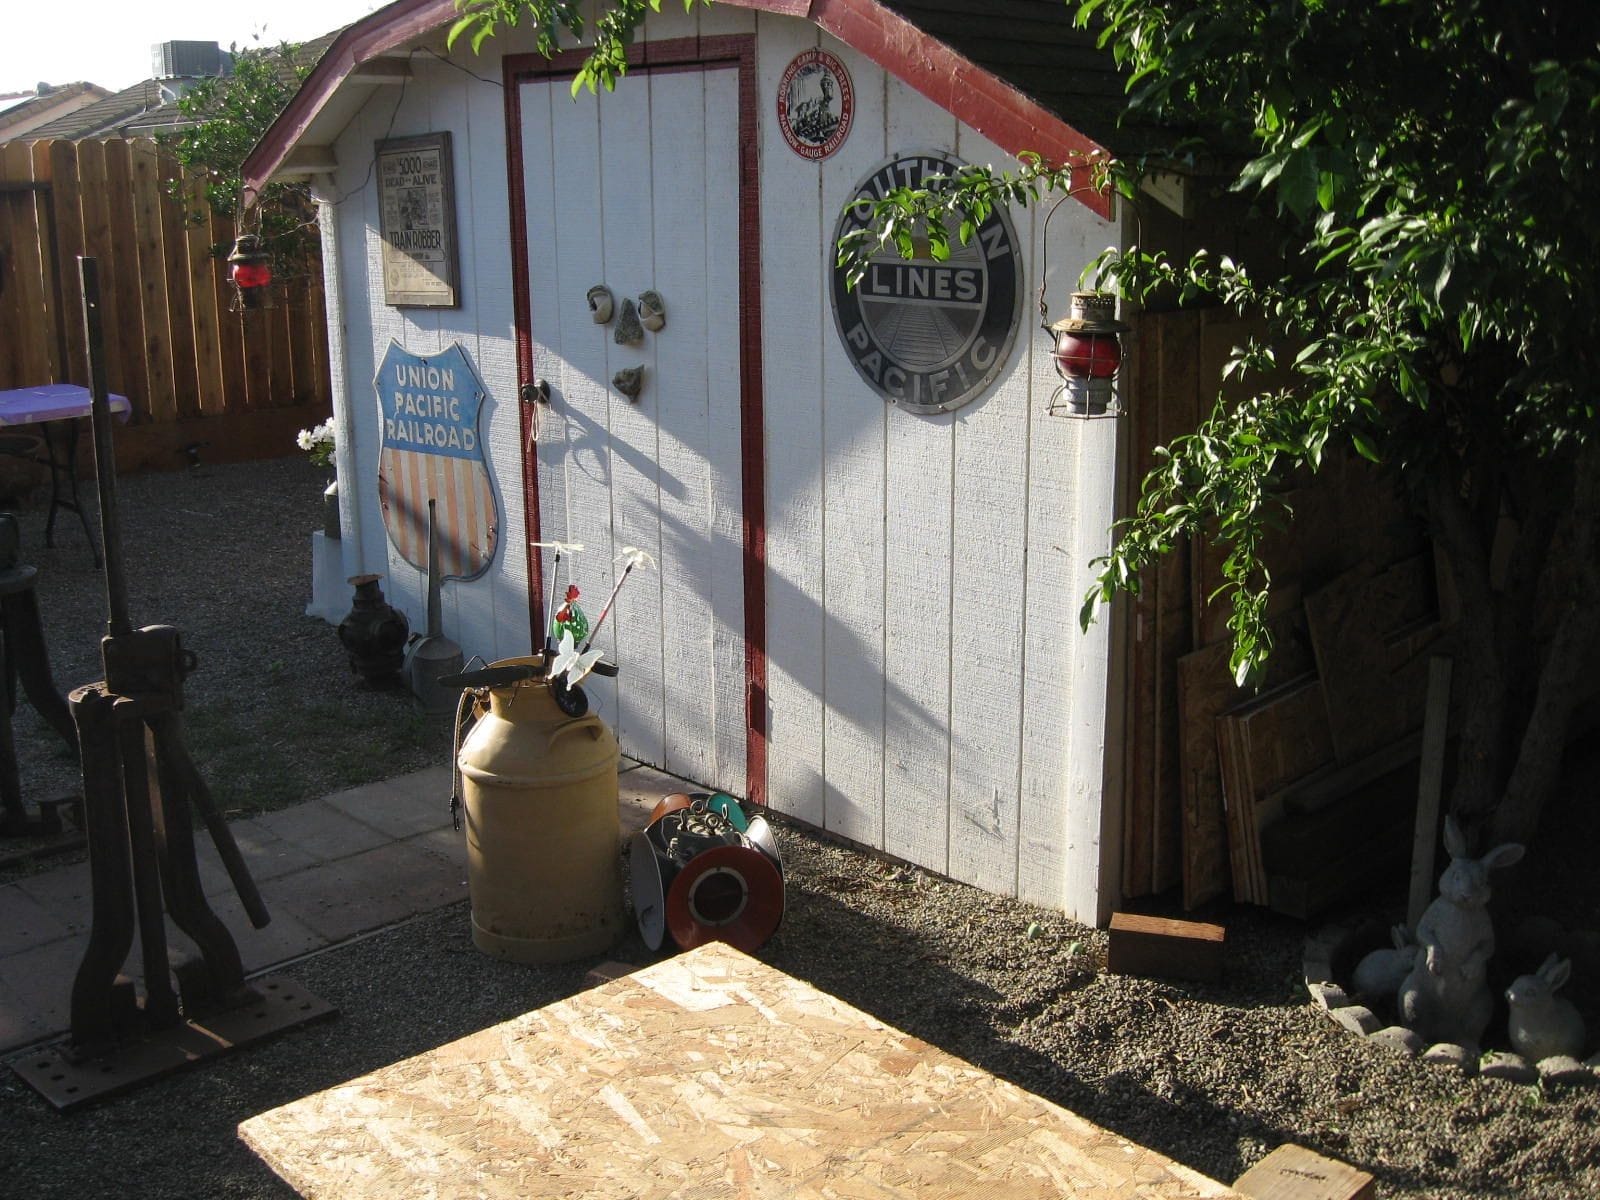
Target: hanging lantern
{"points": [[1088, 354], [250, 269]]}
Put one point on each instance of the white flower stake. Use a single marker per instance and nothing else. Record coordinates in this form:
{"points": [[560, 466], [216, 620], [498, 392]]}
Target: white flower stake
{"points": [[635, 556], [568, 663], [575, 664]]}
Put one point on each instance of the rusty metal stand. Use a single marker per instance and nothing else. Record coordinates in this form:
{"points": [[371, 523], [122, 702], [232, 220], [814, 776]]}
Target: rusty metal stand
{"points": [[140, 790]]}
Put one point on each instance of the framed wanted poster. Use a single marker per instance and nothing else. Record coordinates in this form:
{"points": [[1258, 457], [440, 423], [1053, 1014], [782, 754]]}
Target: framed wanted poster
{"points": [[417, 208]]}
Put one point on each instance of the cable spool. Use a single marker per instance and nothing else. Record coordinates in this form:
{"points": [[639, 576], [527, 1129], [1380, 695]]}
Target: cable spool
{"points": [[728, 894], [698, 877]]}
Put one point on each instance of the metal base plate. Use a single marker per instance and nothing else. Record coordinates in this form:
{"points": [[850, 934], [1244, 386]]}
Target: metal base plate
{"points": [[67, 1082]]}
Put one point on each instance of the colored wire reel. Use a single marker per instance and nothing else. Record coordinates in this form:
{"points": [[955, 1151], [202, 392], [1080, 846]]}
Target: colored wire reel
{"points": [[703, 871]]}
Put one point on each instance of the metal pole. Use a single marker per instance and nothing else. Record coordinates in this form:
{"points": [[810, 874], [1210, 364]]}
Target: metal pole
{"points": [[105, 467]]}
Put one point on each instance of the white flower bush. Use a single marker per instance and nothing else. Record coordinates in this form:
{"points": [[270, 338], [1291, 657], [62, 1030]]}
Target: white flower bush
{"points": [[318, 443]]}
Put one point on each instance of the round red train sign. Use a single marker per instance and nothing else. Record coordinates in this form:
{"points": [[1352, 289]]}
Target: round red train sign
{"points": [[816, 104]]}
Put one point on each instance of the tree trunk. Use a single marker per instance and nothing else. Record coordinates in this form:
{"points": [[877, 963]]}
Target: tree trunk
{"points": [[1480, 758], [1564, 678]]}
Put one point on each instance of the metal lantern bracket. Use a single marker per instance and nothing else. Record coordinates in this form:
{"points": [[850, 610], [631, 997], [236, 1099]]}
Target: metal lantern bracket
{"points": [[1074, 397]]}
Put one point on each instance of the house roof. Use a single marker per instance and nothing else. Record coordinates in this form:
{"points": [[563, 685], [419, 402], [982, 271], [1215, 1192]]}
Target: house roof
{"points": [[26, 113], [103, 116], [146, 107], [1020, 74]]}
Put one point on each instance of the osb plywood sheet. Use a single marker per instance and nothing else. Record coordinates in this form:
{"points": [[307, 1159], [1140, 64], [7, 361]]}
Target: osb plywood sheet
{"points": [[710, 1074]]}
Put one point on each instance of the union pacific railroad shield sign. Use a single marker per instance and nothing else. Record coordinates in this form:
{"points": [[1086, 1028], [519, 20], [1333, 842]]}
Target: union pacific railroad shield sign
{"points": [[930, 334], [428, 406]]}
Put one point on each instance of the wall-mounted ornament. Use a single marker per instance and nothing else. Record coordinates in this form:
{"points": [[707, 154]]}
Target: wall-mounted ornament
{"points": [[629, 381], [652, 311], [600, 303], [929, 334], [628, 329], [429, 408], [816, 103], [417, 221]]}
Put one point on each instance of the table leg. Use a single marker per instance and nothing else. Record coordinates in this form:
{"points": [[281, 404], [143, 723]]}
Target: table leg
{"points": [[64, 475]]}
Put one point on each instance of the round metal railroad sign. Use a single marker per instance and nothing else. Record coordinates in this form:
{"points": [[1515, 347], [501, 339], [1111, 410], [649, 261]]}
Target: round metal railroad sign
{"points": [[816, 103], [930, 335]]}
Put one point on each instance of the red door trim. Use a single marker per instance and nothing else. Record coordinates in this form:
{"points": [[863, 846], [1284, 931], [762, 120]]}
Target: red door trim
{"points": [[680, 54]]}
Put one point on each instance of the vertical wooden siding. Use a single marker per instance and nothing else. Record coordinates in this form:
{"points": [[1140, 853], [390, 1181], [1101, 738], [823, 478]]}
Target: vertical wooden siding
{"points": [[174, 346], [930, 693]]}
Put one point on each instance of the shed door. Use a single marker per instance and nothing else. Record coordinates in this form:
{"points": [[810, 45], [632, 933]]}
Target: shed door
{"points": [[639, 191]]}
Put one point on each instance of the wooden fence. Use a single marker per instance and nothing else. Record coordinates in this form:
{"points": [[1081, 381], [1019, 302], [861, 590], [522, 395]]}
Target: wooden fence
{"points": [[235, 385]]}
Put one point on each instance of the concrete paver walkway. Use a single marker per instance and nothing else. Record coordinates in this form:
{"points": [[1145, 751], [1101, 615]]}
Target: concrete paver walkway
{"points": [[329, 870]]}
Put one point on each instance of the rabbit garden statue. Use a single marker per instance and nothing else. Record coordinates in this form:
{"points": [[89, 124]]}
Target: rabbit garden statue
{"points": [[1543, 1024], [1445, 997], [1381, 972]]}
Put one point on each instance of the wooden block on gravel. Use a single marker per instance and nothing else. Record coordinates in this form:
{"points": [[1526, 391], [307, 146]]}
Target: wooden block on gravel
{"points": [[607, 971], [1164, 947], [1294, 1173]]}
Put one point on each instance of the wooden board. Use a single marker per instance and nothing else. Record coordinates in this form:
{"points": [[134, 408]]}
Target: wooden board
{"points": [[1205, 690], [708, 1074], [1350, 623], [1294, 1173], [1166, 405], [1280, 736], [1164, 948]]}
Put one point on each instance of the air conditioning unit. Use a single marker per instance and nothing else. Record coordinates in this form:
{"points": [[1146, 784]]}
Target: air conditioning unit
{"points": [[188, 60]]}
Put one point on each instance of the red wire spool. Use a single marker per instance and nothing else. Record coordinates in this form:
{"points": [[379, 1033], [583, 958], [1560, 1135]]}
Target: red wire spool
{"points": [[730, 894]]}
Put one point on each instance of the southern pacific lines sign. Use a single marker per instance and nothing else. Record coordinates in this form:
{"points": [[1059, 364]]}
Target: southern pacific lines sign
{"points": [[925, 334], [429, 407]]}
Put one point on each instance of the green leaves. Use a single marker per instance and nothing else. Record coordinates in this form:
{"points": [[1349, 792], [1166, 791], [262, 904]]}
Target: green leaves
{"points": [[230, 113], [915, 222], [613, 31]]}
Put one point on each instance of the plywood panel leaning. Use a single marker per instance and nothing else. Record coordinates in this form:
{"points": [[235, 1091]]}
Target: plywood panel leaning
{"points": [[1278, 737], [1352, 622], [1205, 691]]}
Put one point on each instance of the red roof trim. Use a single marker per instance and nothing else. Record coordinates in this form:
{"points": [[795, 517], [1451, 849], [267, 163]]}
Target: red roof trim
{"points": [[988, 104], [979, 99], [368, 38]]}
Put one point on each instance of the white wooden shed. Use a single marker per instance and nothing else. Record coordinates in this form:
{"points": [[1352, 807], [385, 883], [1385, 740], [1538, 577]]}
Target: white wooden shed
{"points": [[863, 611]]}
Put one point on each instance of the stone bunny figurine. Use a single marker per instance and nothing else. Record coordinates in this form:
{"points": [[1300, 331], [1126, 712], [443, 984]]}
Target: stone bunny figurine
{"points": [[1543, 1024], [1381, 972], [1445, 997]]}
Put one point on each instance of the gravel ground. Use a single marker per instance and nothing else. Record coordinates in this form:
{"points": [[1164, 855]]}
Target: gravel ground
{"points": [[1213, 1075], [273, 713]]}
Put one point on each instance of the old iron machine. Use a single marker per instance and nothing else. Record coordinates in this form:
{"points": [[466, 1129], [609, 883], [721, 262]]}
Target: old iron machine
{"points": [[140, 787]]}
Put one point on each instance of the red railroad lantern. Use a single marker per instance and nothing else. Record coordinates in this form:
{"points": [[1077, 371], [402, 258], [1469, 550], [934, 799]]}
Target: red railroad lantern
{"points": [[250, 269], [1088, 353]]}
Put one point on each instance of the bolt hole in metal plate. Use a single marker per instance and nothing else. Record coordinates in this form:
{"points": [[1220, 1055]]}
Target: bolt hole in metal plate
{"points": [[279, 1004]]}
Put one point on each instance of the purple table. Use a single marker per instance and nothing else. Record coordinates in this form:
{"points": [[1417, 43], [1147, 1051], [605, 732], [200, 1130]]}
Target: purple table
{"points": [[51, 402], [43, 406]]}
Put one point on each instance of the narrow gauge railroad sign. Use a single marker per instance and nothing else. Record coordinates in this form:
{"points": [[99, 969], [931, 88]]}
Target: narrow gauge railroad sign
{"points": [[816, 104], [428, 407], [929, 335]]}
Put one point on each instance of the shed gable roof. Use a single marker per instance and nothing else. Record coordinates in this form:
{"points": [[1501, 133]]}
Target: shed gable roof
{"points": [[1019, 72]]}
